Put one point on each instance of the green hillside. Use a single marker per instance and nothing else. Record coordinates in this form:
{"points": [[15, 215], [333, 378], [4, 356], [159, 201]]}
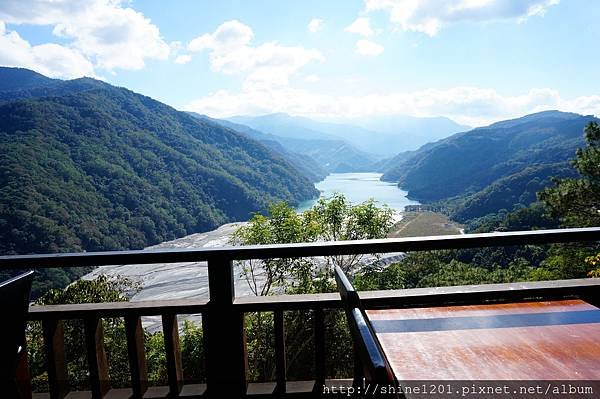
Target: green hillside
{"points": [[304, 163], [106, 168], [491, 168]]}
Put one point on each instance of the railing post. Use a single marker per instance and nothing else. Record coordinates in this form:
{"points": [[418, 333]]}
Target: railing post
{"points": [[137, 356], [319, 329], [96, 356], [173, 353], [54, 341], [224, 335], [24, 374], [280, 367]]}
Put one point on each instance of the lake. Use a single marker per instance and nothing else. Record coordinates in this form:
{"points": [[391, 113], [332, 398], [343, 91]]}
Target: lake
{"points": [[359, 187]]}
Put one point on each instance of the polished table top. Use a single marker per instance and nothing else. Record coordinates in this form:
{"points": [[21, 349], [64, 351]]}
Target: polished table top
{"points": [[552, 340]]}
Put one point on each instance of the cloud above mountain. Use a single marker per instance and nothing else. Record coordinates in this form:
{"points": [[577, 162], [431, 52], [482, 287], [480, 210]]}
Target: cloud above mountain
{"points": [[468, 105], [267, 65]]}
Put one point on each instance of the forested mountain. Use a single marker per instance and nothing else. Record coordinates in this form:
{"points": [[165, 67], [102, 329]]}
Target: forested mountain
{"points": [[304, 163], [23, 79], [105, 168], [19, 83], [493, 167]]}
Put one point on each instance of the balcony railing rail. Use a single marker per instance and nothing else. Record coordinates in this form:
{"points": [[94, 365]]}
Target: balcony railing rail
{"points": [[223, 313]]}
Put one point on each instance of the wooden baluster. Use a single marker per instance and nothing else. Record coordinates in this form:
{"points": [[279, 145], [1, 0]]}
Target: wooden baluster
{"points": [[96, 356], [23, 375], [137, 355], [224, 334], [173, 351], [54, 342], [280, 366], [319, 329]]}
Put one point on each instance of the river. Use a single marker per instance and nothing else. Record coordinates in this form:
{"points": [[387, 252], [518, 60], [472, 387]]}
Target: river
{"points": [[359, 187]]}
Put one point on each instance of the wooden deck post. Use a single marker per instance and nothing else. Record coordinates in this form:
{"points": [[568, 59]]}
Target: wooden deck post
{"points": [[137, 356], [24, 375], [96, 356], [173, 353], [280, 363], [54, 341], [319, 335], [224, 335]]}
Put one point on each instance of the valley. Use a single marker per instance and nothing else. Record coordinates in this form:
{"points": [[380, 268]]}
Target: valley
{"points": [[87, 166]]}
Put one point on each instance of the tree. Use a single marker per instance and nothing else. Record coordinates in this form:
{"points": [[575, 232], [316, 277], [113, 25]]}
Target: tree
{"points": [[331, 219], [576, 201]]}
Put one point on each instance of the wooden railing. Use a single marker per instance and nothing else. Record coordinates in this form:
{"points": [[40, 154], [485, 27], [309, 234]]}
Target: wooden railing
{"points": [[223, 314]]}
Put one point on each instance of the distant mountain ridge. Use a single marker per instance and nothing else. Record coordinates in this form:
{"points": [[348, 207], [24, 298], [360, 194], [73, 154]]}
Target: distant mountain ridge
{"points": [[300, 135], [19, 83], [394, 133], [379, 136], [102, 168], [485, 169]]}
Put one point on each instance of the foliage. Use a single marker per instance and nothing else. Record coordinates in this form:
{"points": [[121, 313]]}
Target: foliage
{"points": [[576, 201], [105, 289], [102, 289], [497, 167], [594, 261], [572, 202], [109, 169], [331, 219], [513, 192], [47, 279], [533, 217], [86, 166]]}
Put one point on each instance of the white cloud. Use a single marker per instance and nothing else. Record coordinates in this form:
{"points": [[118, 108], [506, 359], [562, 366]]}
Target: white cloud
{"points": [[110, 35], [469, 105], [267, 65], [429, 16], [312, 79], [361, 26], [49, 59], [315, 25], [368, 48], [183, 59]]}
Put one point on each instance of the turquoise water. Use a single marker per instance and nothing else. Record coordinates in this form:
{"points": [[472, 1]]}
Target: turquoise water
{"points": [[359, 187]]}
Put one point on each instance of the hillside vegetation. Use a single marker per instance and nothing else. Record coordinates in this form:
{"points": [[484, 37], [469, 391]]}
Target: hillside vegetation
{"points": [[500, 166], [309, 167], [106, 168]]}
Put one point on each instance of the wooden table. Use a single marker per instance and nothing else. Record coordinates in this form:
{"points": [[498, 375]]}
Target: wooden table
{"points": [[553, 340]]}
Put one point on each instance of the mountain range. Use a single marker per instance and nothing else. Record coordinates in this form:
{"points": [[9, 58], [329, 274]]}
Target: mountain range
{"points": [[373, 138], [85, 165]]}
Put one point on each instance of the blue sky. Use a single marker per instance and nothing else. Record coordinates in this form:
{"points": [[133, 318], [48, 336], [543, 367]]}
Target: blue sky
{"points": [[475, 61]]}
